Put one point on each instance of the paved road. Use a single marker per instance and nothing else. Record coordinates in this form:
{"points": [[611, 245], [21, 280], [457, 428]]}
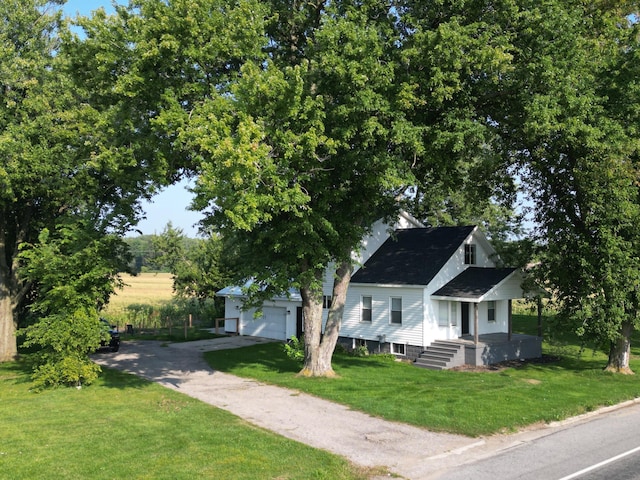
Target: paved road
{"points": [[411, 452], [602, 446]]}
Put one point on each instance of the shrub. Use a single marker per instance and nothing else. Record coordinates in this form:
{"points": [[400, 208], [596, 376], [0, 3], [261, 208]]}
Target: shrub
{"points": [[294, 349], [360, 351], [63, 343]]}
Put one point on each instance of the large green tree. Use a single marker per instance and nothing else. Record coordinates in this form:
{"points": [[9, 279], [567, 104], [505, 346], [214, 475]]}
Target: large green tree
{"points": [[576, 135], [306, 122], [305, 154], [73, 154], [455, 55], [38, 147], [553, 98]]}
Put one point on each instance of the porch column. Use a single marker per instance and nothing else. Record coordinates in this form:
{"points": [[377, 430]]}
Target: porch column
{"points": [[475, 323], [509, 319]]}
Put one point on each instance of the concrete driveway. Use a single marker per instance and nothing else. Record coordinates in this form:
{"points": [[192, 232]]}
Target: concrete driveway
{"points": [[408, 451]]}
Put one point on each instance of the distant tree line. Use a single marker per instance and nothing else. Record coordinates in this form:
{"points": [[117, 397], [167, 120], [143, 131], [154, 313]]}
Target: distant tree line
{"points": [[145, 257], [196, 264]]}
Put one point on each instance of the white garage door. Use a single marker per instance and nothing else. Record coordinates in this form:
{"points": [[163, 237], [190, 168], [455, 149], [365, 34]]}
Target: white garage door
{"points": [[272, 324]]}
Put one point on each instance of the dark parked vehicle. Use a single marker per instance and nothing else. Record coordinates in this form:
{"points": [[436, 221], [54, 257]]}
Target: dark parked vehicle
{"points": [[113, 343]]}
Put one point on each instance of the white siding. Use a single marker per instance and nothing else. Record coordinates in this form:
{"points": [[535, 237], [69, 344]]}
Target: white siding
{"points": [[502, 318], [432, 328], [409, 332], [231, 310], [511, 288]]}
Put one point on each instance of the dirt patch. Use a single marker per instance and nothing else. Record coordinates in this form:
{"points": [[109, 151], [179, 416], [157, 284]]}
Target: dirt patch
{"points": [[533, 381], [499, 367]]}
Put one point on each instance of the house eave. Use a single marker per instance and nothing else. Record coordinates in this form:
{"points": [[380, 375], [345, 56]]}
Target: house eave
{"points": [[388, 285], [236, 292], [457, 299]]}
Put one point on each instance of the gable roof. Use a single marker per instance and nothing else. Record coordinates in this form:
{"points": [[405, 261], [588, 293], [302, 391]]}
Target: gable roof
{"points": [[412, 256], [474, 282]]}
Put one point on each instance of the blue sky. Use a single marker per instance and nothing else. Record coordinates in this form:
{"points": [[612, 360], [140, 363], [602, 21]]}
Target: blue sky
{"points": [[171, 204]]}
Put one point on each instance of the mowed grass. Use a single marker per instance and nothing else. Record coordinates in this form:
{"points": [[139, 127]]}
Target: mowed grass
{"points": [[125, 427], [464, 402]]}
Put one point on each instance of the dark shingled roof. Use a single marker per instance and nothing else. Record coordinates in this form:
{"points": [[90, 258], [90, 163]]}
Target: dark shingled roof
{"points": [[474, 282], [412, 256]]}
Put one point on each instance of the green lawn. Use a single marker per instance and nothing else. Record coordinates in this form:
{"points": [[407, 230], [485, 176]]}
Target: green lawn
{"points": [[125, 427], [469, 403]]}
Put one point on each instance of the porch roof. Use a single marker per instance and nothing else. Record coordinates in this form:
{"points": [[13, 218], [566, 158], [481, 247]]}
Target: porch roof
{"points": [[474, 283]]}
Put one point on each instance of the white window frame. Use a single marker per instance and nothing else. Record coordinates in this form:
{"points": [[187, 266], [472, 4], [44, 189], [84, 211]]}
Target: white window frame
{"points": [[326, 301], [363, 309], [470, 254], [491, 307], [392, 311], [398, 348], [453, 314], [443, 313]]}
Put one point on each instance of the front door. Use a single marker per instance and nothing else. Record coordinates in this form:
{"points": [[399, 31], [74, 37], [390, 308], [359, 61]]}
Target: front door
{"points": [[299, 328], [465, 318]]}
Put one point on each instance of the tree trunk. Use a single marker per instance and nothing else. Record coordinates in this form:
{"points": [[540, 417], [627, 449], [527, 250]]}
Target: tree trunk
{"points": [[620, 351], [8, 340], [8, 300], [316, 361], [319, 347]]}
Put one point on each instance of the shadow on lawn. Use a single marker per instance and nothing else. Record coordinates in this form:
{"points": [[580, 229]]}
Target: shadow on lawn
{"points": [[271, 356], [112, 378], [18, 372]]}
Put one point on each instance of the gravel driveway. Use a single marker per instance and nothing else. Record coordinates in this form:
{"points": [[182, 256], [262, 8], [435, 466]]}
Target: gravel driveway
{"points": [[408, 451]]}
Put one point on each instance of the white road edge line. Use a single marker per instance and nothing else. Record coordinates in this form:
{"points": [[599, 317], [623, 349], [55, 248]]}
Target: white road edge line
{"points": [[601, 464]]}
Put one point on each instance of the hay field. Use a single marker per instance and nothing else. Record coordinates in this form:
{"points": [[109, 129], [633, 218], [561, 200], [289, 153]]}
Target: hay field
{"points": [[147, 288]]}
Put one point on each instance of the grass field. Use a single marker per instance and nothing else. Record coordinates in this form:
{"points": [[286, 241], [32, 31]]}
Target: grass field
{"points": [[148, 288], [126, 427], [147, 301]]}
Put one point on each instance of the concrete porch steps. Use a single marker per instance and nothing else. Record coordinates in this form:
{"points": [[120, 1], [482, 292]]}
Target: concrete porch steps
{"points": [[441, 355]]}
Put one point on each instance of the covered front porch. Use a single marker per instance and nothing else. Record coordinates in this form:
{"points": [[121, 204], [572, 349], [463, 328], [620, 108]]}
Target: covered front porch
{"points": [[484, 349], [485, 337], [491, 348]]}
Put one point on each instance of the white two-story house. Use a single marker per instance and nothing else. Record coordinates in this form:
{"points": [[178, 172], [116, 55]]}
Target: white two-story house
{"points": [[433, 295]]}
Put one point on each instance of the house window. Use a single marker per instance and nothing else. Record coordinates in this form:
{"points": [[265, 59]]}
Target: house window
{"points": [[398, 348], [396, 310], [443, 314], [470, 254], [491, 311], [326, 301], [454, 313], [365, 308]]}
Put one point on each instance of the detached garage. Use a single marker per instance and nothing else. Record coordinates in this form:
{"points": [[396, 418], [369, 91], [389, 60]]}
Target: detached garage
{"points": [[279, 320], [272, 324]]}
